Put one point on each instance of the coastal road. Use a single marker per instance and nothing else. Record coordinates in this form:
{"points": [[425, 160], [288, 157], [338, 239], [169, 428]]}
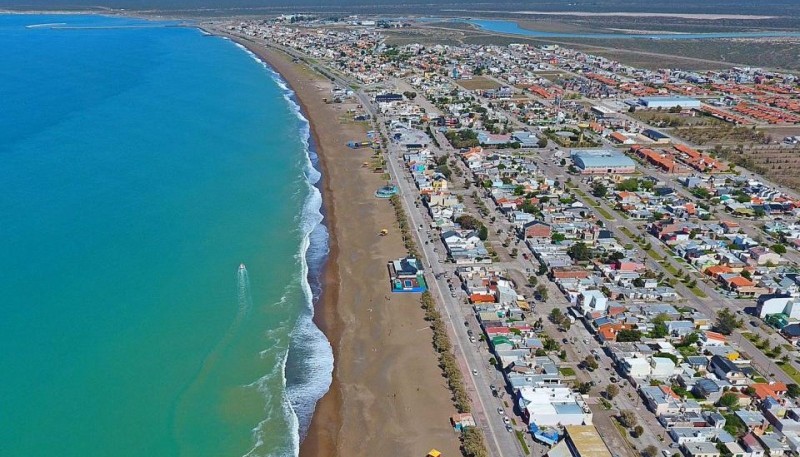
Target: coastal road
{"points": [[473, 366]]}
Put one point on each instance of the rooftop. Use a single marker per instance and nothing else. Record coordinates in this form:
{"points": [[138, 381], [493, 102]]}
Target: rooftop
{"points": [[587, 441], [591, 158]]}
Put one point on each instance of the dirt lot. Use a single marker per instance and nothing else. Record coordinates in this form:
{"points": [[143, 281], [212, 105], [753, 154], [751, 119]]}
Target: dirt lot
{"points": [[724, 134], [478, 83], [777, 162], [666, 119]]}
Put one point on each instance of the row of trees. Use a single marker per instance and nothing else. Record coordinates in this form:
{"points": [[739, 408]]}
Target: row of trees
{"points": [[471, 439], [443, 347], [405, 229]]}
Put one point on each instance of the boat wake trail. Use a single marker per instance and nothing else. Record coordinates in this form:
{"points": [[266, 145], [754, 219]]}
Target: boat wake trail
{"points": [[245, 299], [244, 304]]}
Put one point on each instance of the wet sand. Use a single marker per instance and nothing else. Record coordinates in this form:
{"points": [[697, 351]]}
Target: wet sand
{"points": [[388, 395]]}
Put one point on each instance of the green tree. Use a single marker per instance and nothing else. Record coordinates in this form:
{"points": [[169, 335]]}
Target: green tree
{"points": [[660, 329], [590, 362], [629, 185], [468, 222], [779, 249], [580, 251], [483, 233], [690, 339], [542, 292], [793, 390], [628, 418], [734, 425], [599, 190], [729, 400], [611, 391], [532, 280], [638, 431], [726, 322], [557, 237], [650, 451], [629, 335]]}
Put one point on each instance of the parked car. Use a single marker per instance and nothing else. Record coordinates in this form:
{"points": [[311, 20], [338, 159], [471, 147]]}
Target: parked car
{"points": [[500, 411]]}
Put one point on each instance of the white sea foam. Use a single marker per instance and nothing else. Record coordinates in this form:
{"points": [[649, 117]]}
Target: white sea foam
{"points": [[300, 396]]}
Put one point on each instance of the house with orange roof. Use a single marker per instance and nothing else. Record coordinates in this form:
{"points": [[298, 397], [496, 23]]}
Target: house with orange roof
{"points": [[775, 390], [716, 270], [742, 286], [730, 226], [481, 298], [710, 338], [608, 332], [619, 138]]}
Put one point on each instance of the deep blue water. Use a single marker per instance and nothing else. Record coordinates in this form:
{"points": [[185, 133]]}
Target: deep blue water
{"points": [[140, 165]]}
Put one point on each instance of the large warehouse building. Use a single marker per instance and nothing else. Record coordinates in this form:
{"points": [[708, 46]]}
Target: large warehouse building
{"points": [[669, 102], [602, 161]]}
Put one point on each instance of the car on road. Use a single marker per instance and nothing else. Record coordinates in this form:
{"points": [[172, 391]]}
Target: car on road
{"points": [[613, 379], [500, 411], [469, 332], [754, 323], [475, 372], [565, 341], [508, 428], [507, 420]]}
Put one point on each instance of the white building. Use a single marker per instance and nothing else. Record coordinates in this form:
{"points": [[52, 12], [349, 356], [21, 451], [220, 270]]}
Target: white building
{"points": [[661, 367], [593, 301], [636, 367], [553, 406], [786, 305]]}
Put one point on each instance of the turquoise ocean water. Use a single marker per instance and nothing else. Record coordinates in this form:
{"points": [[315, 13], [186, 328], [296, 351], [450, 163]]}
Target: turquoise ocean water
{"points": [[139, 166]]}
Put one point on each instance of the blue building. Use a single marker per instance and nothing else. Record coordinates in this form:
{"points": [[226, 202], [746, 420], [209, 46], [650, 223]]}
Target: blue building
{"points": [[669, 102], [602, 161], [407, 275]]}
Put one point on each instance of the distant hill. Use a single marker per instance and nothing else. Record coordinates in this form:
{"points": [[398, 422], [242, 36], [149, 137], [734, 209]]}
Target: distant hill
{"points": [[773, 7]]}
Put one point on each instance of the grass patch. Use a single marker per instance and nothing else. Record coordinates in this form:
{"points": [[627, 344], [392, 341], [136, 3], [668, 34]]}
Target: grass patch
{"points": [[623, 432], [604, 213], [790, 370], [697, 292], [567, 371], [668, 266], [521, 438], [654, 256]]}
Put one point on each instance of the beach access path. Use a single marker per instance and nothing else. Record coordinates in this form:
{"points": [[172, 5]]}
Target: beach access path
{"points": [[388, 395]]}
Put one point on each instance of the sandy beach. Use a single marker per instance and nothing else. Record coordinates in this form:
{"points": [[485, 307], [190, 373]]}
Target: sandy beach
{"points": [[388, 395]]}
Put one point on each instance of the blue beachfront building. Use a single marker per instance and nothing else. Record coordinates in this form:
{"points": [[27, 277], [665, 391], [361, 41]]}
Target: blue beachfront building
{"points": [[407, 275]]}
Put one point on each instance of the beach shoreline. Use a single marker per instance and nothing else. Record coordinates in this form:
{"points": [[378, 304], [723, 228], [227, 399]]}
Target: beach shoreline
{"points": [[387, 395], [318, 439]]}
